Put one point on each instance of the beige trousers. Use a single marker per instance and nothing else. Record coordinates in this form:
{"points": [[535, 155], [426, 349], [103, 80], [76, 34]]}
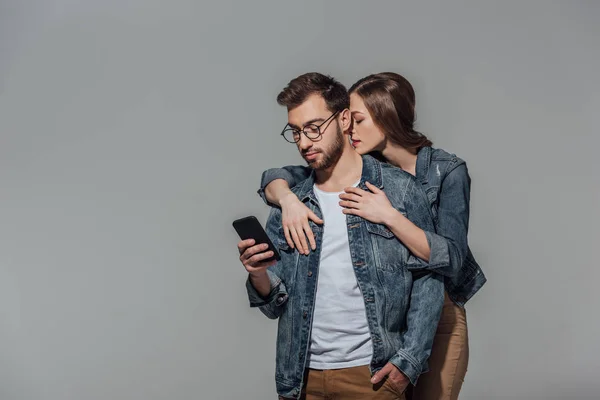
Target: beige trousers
{"points": [[449, 357], [346, 384]]}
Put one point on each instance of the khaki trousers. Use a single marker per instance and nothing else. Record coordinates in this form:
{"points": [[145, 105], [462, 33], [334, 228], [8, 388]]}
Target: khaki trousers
{"points": [[449, 357], [346, 384]]}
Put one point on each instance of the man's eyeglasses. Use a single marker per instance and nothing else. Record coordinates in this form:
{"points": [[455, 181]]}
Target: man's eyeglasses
{"points": [[311, 131]]}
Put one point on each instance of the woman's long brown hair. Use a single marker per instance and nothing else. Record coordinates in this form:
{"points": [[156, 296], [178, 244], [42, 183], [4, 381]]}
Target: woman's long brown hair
{"points": [[390, 99]]}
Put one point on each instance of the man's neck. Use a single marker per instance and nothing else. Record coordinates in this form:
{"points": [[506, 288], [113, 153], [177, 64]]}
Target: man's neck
{"points": [[346, 172]]}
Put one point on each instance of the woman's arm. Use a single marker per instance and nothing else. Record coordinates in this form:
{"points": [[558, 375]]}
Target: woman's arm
{"points": [[448, 245], [275, 183], [275, 191], [413, 237], [443, 251], [374, 206]]}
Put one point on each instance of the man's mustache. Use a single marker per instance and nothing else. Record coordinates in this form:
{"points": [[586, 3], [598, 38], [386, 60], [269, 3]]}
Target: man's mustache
{"points": [[305, 152]]}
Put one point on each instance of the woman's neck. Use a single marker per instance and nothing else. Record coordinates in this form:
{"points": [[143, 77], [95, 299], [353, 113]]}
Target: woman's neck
{"points": [[400, 157]]}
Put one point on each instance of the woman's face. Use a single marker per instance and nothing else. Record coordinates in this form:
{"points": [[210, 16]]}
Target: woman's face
{"points": [[365, 135]]}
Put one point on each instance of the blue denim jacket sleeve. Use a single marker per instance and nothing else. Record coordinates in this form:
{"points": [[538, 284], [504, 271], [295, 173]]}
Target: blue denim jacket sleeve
{"points": [[448, 244], [273, 304], [426, 300], [292, 174]]}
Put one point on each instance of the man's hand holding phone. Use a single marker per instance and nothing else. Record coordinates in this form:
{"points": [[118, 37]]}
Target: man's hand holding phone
{"points": [[253, 258]]}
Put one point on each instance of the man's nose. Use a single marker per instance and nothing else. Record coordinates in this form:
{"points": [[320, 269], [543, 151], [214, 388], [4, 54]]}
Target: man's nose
{"points": [[304, 143]]}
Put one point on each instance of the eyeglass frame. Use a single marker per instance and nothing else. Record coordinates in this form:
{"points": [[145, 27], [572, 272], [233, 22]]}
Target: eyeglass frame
{"points": [[290, 128]]}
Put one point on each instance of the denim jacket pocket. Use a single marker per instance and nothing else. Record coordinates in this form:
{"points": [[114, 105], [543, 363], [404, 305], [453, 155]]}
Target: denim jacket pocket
{"points": [[379, 229], [385, 245]]}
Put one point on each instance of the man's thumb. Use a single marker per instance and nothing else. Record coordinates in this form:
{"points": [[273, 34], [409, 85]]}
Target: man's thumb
{"points": [[378, 376]]}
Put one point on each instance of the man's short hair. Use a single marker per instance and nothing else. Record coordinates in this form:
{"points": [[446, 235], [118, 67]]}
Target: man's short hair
{"points": [[299, 89]]}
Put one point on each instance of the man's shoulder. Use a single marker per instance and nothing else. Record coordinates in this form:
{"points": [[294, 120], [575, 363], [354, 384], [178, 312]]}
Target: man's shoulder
{"points": [[396, 182], [273, 221], [300, 188], [389, 171], [387, 168], [304, 184]]}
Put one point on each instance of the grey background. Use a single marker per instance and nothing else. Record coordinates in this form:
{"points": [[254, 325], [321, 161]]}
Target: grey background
{"points": [[133, 132]]}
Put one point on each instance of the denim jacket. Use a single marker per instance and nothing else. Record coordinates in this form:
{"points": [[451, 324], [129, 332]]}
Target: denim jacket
{"points": [[402, 307], [445, 179]]}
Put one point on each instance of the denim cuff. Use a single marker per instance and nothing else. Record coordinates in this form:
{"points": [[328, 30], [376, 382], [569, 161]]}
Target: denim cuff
{"points": [[439, 256], [276, 297], [269, 176], [439, 253], [409, 366]]}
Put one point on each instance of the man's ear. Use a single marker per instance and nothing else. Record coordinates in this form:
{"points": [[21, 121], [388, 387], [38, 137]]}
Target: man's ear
{"points": [[346, 121]]}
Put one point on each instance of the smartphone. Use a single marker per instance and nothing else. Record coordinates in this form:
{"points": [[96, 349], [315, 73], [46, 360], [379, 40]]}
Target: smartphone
{"points": [[250, 228]]}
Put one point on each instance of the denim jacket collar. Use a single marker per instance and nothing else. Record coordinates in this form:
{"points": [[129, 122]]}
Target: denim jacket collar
{"points": [[371, 172], [423, 163]]}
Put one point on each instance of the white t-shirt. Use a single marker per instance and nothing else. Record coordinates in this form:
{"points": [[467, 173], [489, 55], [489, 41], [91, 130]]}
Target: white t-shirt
{"points": [[340, 335]]}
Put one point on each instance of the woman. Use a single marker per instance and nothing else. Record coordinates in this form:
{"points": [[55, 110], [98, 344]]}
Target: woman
{"points": [[382, 106]]}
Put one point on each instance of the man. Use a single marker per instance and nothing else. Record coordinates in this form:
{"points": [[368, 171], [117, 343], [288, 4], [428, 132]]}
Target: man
{"points": [[354, 323]]}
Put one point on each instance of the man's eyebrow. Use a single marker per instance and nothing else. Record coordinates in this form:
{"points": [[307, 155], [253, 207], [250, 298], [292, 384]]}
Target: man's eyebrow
{"points": [[312, 121]]}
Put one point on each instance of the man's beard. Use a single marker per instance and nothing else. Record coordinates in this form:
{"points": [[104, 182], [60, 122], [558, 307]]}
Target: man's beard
{"points": [[331, 155]]}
